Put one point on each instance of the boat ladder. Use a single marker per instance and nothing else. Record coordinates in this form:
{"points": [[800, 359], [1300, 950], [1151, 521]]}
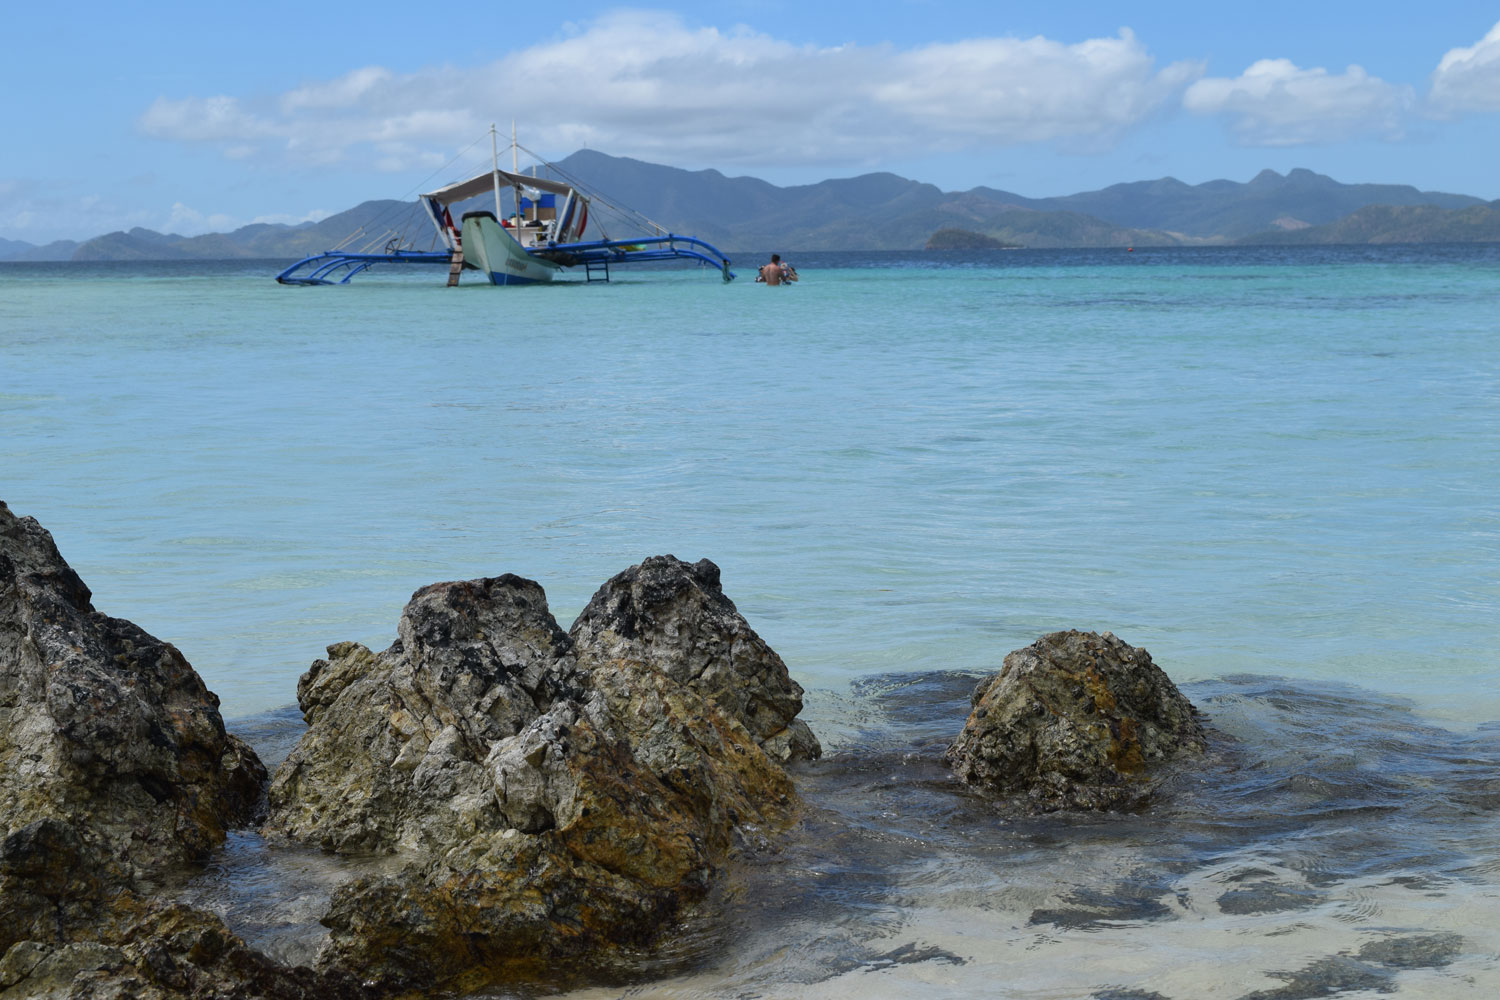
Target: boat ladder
{"points": [[455, 267], [592, 266]]}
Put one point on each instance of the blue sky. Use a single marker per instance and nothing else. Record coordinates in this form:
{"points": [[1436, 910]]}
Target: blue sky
{"points": [[192, 118]]}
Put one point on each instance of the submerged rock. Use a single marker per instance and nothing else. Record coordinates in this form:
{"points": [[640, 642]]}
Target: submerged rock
{"points": [[1074, 721], [555, 796]]}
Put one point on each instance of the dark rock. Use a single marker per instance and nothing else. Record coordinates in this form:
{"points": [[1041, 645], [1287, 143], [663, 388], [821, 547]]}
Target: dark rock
{"points": [[554, 799], [1415, 951], [1076, 720], [395, 753], [674, 616], [1326, 977], [53, 885], [155, 951], [1101, 913], [859, 957], [1267, 897], [114, 769], [103, 726]]}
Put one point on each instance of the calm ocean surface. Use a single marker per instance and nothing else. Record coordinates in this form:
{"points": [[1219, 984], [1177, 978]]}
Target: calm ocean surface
{"points": [[1277, 470]]}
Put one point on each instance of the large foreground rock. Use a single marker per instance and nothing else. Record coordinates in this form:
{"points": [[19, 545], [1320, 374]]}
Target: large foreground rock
{"points": [[103, 726], [114, 770], [106, 732], [1076, 720], [557, 798]]}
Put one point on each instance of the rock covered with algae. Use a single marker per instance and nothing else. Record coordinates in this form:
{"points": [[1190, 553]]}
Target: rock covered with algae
{"points": [[1076, 720], [676, 617], [557, 797]]}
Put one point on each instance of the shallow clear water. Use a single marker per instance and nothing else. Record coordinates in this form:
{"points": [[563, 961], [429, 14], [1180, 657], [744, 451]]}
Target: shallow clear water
{"points": [[1251, 462]]}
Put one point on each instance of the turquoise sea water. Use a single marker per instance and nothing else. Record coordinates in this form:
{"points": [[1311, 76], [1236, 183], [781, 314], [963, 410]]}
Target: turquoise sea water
{"points": [[1254, 463], [1271, 461]]}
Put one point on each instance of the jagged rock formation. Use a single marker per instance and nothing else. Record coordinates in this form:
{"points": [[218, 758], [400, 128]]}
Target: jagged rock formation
{"points": [[114, 768], [558, 796], [675, 617], [1074, 721], [103, 726]]}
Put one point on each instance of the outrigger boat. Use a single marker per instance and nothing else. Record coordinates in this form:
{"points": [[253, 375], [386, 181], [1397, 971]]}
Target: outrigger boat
{"points": [[542, 235]]}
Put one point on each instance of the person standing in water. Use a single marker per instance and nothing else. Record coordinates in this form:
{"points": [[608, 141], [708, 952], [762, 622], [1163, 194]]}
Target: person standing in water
{"points": [[776, 272]]}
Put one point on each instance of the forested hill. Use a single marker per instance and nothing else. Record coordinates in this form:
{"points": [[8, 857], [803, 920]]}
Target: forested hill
{"points": [[880, 211], [1399, 224]]}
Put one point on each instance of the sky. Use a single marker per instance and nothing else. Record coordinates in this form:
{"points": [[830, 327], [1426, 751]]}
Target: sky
{"points": [[193, 118]]}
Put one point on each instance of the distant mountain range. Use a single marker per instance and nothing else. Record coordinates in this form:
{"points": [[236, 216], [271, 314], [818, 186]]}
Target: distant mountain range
{"points": [[1401, 224], [885, 212]]}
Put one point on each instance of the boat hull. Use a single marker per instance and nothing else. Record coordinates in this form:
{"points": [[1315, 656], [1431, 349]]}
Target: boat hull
{"points": [[496, 254]]}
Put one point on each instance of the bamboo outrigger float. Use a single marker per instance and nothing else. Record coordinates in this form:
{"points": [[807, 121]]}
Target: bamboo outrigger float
{"points": [[541, 236]]}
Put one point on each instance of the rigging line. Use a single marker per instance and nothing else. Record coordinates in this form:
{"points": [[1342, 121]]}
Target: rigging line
{"points": [[462, 152], [389, 216], [625, 213], [347, 239]]}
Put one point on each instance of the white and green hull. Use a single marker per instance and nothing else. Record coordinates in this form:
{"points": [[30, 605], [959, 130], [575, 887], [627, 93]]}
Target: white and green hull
{"points": [[489, 248]]}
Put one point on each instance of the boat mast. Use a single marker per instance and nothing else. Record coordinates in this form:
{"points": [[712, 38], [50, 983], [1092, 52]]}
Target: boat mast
{"points": [[495, 167], [515, 168]]}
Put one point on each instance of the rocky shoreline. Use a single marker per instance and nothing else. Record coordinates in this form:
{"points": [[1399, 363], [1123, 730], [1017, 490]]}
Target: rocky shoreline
{"points": [[547, 798]]}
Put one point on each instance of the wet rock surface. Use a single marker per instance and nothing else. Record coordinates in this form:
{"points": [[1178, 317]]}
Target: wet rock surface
{"points": [[554, 796], [115, 769], [1076, 720]]}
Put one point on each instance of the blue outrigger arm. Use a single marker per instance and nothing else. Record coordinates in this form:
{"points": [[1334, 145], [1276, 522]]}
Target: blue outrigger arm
{"points": [[324, 268], [636, 251], [337, 267]]}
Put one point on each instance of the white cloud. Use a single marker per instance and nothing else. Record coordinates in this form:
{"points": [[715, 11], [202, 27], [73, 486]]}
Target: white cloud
{"points": [[204, 119], [1033, 90], [645, 84], [339, 93], [41, 211], [187, 221], [1468, 79], [1276, 103]]}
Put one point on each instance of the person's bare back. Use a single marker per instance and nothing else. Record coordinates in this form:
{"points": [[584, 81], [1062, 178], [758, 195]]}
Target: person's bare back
{"points": [[772, 273]]}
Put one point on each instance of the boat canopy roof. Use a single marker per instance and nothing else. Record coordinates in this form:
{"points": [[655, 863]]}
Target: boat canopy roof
{"points": [[485, 182]]}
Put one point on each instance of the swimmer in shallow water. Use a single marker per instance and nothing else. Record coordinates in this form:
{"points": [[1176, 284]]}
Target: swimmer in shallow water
{"points": [[776, 272]]}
